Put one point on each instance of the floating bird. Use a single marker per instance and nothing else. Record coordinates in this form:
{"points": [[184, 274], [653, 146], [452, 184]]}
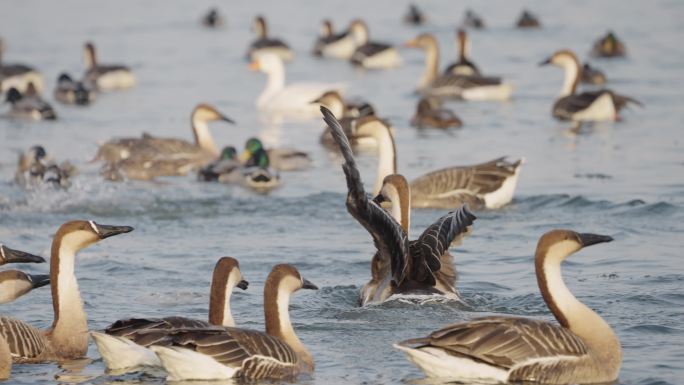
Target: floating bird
{"points": [[348, 115], [429, 113], [149, 156], [463, 66], [264, 44], [29, 105], [68, 337], [423, 266], [472, 20], [35, 168], [591, 75], [291, 100], [528, 20], [501, 349], [124, 344], [414, 16], [69, 91], [15, 283], [105, 77], [213, 19], [342, 45], [609, 46], [281, 159], [18, 76], [598, 105], [326, 37], [227, 353], [369, 54], [449, 85]]}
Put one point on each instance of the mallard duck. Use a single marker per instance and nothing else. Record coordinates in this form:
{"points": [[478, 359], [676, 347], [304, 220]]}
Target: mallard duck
{"points": [[528, 20], [29, 105], [609, 46], [69, 91], [591, 75], [281, 159], [370, 54], [430, 113], [472, 20]]}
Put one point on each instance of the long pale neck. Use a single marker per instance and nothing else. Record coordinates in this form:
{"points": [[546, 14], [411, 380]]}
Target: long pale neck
{"points": [[569, 311], [69, 333], [401, 210], [431, 66], [572, 73], [203, 137], [219, 304], [275, 83], [277, 313], [387, 160], [90, 59]]}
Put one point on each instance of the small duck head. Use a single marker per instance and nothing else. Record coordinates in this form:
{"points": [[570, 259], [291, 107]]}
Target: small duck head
{"points": [[228, 153], [254, 154], [327, 28], [13, 96], [64, 78], [259, 27]]}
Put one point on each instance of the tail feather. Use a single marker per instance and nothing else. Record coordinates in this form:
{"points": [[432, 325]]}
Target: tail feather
{"points": [[622, 100], [121, 353]]}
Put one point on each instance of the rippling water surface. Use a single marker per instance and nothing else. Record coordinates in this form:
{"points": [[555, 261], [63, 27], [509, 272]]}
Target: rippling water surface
{"points": [[624, 179]]}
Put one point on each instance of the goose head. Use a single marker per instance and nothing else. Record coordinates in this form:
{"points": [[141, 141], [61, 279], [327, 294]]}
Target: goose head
{"points": [[227, 271], [563, 58], [8, 255], [556, 245], [422, 41], [268, 63], [359, 31], [259, 27], [17, 283], [395, 191], [226, 277], [286, 279], [79, 234], [204, 113], [333, 101]]}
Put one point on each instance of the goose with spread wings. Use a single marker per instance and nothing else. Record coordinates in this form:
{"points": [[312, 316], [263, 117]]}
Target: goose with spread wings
{"points": [[400, 266]]}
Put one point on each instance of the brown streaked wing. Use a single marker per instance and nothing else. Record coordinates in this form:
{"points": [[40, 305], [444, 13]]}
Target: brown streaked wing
{"points": [[24, 340], [151, 331]]}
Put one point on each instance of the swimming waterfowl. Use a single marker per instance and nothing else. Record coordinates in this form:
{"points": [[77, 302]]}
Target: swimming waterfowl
{"points": [[18, 75], [149, 156], [414, 16], [598, 105], [326, 37], [68, 336], [15, 283], [8, 255], [291, 100], [29, 105], [463, 66], [591, 75], [35, 168], [225, 353], [528, 20], [69, 91], [348, 115], [487, 185], [449, 85], [123, 345], [370, 54], [281, 159], [213, 19], [343, 45], [472, 20], [264, 44], [609, 46], [422, 266], [501, 349], [105, 77], [223, 169], [429, 113]]}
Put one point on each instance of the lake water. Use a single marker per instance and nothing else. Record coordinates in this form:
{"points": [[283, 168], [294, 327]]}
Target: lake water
{"points": [[624, 179]]}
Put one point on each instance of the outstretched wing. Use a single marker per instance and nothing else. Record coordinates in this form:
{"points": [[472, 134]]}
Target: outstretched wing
{"points": [[388, 235]]}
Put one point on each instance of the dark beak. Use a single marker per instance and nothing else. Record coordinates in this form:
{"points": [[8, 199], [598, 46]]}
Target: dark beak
{"points": [[106, 231], [315, 101], [306, 284], [39, 280], [592, 239], [16, 256], [227, 119], [243, 284], [379, 199], [545, 62]]}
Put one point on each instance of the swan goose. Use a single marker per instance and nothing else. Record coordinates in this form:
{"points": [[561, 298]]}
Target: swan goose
{"points": [[601, 105], [463, 66], [67, 338], [501, 349], [17, 76], [369, 54], [264, 44], [124, 344], [449, 85], [105, 77], [221, 353], [149, 156], [347, 114]]}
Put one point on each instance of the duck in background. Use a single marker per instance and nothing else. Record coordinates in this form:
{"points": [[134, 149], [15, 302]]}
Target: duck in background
{"points": [[528, 20], [213, 19], [254, 173], [601, 105], [265, 44], [326, 37], [343, 45], [105, 77], [370, 54], [592, 75], [345, 108], [414, 16], [472, 20], [35, 168], [349, 116], [429, 113], [463, 66], [70, 91], [29, 105], [609, 46], [17, 75], [281, 159]]}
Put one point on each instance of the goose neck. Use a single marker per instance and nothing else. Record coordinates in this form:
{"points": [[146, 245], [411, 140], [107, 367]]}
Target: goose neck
{"points": [[219, 304], [274, 84], [431, 65], [203, 138], [277, 315], [387, 160]]}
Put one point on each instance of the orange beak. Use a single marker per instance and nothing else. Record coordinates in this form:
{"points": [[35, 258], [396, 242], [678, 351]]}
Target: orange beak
{"points": [[253, 66]]}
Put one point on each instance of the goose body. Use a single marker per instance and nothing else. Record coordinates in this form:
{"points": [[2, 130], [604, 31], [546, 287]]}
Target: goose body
{"points": [[429, 113], [348, 115], [124, 344], [105, 77], [149, 156], [69, 91], [221, 353], [582, 348], [18, 76], [29, 105], [609, 46], [343, 45], [325, 38], [449, 85], [601, 105], [370, 54], [267, 45], [289, 100], [68, 336], [400, 267], [488, 185]]}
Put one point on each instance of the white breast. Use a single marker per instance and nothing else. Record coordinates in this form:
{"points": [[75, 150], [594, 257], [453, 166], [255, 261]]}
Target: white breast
{"points": [[601, 109], [115, 80], [388, 58]]}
